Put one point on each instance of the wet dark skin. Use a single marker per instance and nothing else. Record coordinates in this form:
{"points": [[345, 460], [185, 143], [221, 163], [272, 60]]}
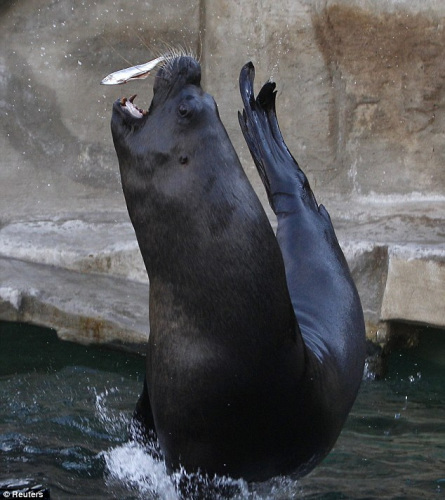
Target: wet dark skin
{"points": [[256, 344]]}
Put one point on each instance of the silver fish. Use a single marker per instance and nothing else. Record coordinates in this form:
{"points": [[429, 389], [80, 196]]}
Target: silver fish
{"points": [[134, 73]]}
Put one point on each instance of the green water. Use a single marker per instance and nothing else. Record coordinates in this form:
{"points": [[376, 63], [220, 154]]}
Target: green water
{"points": [[65, 410]]}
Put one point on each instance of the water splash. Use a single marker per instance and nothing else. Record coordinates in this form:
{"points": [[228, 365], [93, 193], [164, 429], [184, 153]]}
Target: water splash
{"points": [[131, 467], [136, 469], [139, 469], [114, 422]]}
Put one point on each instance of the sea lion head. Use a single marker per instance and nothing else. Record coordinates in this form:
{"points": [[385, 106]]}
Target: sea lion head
{"points": [[180, 119]]}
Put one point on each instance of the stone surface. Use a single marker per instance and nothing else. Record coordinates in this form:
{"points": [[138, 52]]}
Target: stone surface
{"points": [[55, 135], [360, 87], [377, 233], [79, 245], [415, 290], [386, 69], [82, 308], [86, 279], [361, 93]]}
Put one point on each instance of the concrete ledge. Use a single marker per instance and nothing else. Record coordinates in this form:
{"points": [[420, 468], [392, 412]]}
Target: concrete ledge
{"points": [[85, 308], [88, 246], [84, 275], [415, 289]]}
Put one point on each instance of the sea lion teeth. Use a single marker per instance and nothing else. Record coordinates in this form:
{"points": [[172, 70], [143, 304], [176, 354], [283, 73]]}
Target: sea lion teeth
{"points": [[134, 111], [127, 103]]}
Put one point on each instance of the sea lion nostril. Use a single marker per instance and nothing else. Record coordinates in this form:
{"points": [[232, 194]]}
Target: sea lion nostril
{"points": [[183, 110]]}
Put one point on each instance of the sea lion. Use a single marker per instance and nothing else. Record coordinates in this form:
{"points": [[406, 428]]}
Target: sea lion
{"points": [[256, 343]]}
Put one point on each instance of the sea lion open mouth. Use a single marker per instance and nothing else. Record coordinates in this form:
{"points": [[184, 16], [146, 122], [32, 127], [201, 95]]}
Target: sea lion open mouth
{"points": [[175, 72], [129, 106]]}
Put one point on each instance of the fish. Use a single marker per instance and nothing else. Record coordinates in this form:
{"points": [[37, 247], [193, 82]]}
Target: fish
{"points": [[137, 72]]}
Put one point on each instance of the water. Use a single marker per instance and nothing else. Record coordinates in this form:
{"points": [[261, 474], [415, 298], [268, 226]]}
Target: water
{"points": [[65, 411]]}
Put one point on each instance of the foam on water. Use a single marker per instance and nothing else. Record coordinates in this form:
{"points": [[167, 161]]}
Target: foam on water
{"points": [[131, 466]]}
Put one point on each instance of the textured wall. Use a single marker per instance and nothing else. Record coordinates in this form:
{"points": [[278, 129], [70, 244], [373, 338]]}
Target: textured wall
{"points": [[57, 153], [360, 84]]}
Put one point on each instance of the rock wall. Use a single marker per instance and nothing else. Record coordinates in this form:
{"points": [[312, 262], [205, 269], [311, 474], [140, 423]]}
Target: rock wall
{"points": [[57, 154], [360, 86], [361, 90]]}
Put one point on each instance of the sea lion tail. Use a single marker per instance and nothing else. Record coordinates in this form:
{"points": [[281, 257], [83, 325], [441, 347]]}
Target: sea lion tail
{"points": [[278, 169], [302, 225]]}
